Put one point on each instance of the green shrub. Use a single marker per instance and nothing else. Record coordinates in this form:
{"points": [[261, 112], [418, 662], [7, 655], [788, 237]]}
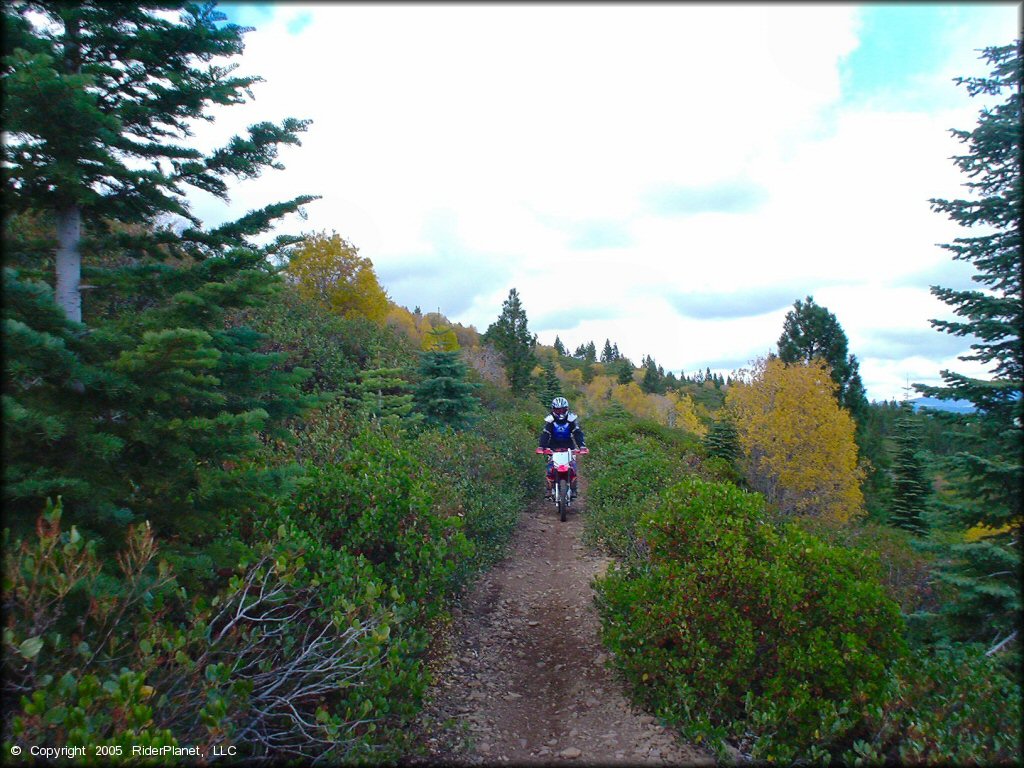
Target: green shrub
{"points": [[482, 479], [303, 653], [374, 505], [626, 473], [734, 627], [949, 705], [905, 566]]}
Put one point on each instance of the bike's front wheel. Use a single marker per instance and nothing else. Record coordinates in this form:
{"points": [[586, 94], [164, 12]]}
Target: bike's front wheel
{"points": [[563, 499]]}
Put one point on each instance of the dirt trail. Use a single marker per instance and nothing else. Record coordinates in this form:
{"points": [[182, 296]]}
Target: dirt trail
{"points": [[526, 680]]}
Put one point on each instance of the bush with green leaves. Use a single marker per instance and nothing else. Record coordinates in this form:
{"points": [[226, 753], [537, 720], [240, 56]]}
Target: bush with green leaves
{"points": [[374, 505], [303, 653], [482, 477], [632, 463], [948, 705], [733, 627]]}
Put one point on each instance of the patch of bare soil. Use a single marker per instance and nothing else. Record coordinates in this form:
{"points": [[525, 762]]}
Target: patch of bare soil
{"points": [[526, 679]]}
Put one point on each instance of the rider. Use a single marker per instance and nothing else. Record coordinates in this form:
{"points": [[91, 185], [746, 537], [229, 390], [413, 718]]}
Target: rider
{"points": [[561, 430]]}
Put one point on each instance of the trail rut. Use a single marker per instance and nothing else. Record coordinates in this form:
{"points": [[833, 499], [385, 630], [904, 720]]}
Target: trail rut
{"points": [[525, 680]]}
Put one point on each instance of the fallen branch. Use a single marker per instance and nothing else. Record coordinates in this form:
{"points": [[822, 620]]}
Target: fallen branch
{"points": [[1001, 644]]}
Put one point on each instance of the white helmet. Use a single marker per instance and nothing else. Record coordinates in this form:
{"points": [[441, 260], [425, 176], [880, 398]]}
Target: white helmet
{"points": [[560, 408]]}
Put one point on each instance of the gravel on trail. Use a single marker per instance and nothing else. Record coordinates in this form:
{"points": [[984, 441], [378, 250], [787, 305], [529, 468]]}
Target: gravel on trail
{"points": [[525, 678]]}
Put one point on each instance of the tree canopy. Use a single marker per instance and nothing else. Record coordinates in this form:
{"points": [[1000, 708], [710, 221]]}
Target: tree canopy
{"points": [[511, 336], [798, 444], [329, 269], [810, 331], [100, 101], [985, 477]]}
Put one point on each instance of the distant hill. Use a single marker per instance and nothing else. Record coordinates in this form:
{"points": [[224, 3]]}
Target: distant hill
{"points": [[957, 406]]}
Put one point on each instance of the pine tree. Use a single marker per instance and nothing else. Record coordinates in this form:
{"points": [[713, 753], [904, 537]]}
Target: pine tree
{"points": [[512, 338], [443, 396], [985, 478], [652, 380], [625, 371], [165, 395], [606, 352], [811, 331], [383, 397], [560, 347], [910, 487], [98, 98], [549, 387], [590, 353], [722, 439]]}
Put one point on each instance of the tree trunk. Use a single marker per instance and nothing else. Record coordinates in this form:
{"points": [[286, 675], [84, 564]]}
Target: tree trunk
{"points": [[69, 261], [69, 215]]}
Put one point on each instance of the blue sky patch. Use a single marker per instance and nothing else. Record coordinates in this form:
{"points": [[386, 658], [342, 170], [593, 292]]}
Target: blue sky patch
{"points": [[728, 306], [714, 198], [601, 234], [900, 47], [299, 23], [247, 14]]}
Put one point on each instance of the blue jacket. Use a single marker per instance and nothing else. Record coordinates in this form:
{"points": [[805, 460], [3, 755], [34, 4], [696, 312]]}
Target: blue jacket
{"points": [[559, 435]]}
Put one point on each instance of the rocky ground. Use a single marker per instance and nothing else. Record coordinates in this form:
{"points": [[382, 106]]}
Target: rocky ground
{"points": [[525, 678]]}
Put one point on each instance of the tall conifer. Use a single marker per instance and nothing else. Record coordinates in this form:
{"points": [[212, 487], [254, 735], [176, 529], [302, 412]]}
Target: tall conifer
{"points": [[99, 101], [985, 478], [171, 392], [910, 486], [443, 396], [512, 338], [810, 331]]}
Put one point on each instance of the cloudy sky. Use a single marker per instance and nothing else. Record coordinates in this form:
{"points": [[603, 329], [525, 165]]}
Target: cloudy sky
{"points": [[669, 176]]}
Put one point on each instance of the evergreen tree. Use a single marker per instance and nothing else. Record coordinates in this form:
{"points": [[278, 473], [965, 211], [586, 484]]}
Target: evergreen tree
{"points": [[165, 395], [722, 439], [624, 370], [615, 353], [560, 347], [985, 476], [590, 353], [382, 396], [910, 487], [811, 331], [581, 352], [511, 337], [652, 380], [98, 98], [443, 396], [606, 352], [549, 387]]}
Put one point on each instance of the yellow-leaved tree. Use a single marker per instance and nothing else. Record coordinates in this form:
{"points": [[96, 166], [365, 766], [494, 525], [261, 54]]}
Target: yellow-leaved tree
{"points": [[329, 269], [635, 400], [402, 320], [682, 413], [797, 442]]}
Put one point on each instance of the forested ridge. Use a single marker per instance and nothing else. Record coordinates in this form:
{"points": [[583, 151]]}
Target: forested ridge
{"points": [[244, 488]]}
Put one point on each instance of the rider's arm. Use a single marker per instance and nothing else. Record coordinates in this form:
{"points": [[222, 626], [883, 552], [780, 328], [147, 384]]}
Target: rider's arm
{"points": [[545, 437], [577, 435]]}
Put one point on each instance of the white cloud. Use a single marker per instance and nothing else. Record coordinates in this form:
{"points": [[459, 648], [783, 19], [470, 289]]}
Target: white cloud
{"points": [[529, 143]]}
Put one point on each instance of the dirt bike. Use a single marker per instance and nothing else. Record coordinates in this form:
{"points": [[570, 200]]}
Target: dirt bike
{"points": [[565, 475]]}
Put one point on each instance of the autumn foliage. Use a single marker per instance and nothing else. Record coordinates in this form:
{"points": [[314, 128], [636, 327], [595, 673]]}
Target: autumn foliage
{"points": [[329, 269], [797, 443]]}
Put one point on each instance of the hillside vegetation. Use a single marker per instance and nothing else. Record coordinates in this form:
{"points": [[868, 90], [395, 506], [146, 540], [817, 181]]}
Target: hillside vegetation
{"points": [[245, 488]]}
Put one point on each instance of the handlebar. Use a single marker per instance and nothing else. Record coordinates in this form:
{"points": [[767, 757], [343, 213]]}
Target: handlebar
{"points": [[575, 451]]}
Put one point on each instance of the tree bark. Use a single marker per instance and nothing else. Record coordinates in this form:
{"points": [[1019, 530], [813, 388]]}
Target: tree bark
{"points": [[69, 261], [69, 215]]}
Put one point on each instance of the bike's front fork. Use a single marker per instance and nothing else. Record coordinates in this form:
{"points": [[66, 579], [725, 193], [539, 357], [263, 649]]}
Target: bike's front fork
{"points": [[549, 489]]}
